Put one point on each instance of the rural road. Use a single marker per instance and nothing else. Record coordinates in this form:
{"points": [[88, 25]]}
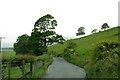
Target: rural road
{"points": [[62, 69]]}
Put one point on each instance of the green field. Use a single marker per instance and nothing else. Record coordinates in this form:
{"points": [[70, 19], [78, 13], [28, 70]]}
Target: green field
{"points": [[8, 54]]}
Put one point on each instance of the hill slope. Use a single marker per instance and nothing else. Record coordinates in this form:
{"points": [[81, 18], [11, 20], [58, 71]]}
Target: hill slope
{"points": [[85, 46]]}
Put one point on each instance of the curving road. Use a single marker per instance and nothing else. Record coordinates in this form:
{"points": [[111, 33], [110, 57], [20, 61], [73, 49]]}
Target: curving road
{"points": [[62, 69]]}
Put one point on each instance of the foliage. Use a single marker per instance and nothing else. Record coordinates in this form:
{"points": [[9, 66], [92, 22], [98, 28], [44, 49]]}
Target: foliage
{"points": [[47, 60], [70, 49], [81, 31], [104, 61], [35, 43], [21, 45], [42, 57], [25, 57], [105, 26], [43, 35]]}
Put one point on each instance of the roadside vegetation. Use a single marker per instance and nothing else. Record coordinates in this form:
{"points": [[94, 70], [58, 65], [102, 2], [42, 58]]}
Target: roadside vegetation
{"points": [[15, 69], [84, 51]]}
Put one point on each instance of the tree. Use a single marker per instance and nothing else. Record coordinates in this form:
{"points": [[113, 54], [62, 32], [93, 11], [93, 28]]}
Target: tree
{"points": [[21, 45], [105, 26], [94, 31], [81, 31], [43, 35]]}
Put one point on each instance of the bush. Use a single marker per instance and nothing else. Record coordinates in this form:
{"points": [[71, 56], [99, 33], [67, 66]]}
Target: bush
{"points": [[21, 45], [104, 61]]}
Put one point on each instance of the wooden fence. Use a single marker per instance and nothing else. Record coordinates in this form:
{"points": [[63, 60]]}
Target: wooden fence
{"points": [[21, 64]]}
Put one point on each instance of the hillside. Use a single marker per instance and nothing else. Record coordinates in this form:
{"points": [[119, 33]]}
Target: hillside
{"points": [[85, 46]]}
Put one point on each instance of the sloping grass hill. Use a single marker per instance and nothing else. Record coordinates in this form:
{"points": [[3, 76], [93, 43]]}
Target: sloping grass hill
{"points": [[85, 46]]}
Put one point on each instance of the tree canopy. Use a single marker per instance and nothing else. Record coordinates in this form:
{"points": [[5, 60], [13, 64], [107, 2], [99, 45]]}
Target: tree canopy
{"points": [[81, 31], [43, 34], [21, 45], [105, 26]]}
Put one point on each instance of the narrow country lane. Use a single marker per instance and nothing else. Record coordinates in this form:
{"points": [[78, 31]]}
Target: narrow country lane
{"points": [[62, 69]]}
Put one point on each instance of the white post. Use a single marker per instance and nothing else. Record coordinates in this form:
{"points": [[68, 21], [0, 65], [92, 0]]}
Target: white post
{"points": [[119, 13], [1, 57]]}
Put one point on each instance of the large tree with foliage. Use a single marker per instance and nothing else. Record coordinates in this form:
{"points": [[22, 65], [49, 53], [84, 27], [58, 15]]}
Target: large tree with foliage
{"points": [[43, 34], [21, 45], [81, 31], [105, 26]]}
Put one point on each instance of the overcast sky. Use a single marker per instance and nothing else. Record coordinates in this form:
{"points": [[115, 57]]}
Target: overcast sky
{"points": [[17, 17]]}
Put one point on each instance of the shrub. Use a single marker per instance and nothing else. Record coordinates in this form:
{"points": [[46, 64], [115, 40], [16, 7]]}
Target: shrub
{"points": [[104, 61]]}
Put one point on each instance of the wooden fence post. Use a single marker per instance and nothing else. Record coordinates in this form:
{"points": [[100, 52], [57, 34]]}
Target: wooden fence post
{"points": [[23, 65], [9, 70], [31, 67]]}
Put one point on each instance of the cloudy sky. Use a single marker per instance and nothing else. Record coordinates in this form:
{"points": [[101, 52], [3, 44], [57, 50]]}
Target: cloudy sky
{"points": [[17, 17]]}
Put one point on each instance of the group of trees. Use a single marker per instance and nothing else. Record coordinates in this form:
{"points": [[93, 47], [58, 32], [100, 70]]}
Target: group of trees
{"points": [[41, 36], [81, 30]]}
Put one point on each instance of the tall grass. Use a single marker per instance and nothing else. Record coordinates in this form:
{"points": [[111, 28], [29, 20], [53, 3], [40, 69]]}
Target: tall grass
{"points": [[8, 55]]}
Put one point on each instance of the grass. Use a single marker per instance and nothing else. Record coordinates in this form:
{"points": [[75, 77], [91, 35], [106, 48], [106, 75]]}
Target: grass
{"points": [[39, 73], [85, 46], [42, 70], [15, 72], [8, 55]]}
